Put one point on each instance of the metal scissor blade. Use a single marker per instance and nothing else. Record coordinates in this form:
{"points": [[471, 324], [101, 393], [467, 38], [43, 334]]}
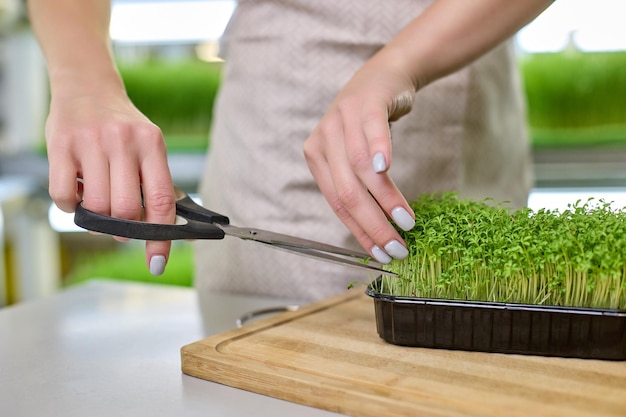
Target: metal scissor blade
{"points": [[273, 238], [312, 253], [305, 247]]}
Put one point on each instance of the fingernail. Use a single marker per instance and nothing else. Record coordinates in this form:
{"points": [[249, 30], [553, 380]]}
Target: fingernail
{"points": [[402, 218], [395, 249], [380, 255], [379, 162], [157, 265]]}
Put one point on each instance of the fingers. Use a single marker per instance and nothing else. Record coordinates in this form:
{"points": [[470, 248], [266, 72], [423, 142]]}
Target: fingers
{"points": [[96, 183], [342, 154], [375, 127], [139, 171], [63, 187], [115, 164], [125, 184], [319, 167], [368, 134], [375, 137], [160, 204]]}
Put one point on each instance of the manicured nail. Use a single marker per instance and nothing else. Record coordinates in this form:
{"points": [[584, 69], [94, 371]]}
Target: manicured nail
{"points": [[157, 265], [380, 255], [395, 249], [402, 218], [379, 162]]}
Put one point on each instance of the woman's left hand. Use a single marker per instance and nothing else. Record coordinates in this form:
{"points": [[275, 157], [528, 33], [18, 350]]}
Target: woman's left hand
{"points": [[349, 154]]}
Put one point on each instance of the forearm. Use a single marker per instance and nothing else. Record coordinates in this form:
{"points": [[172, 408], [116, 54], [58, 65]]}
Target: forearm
{"points": [[74, 37], [452, 33]]}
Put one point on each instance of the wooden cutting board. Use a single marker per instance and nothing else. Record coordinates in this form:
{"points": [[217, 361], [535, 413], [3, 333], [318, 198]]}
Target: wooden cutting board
{"points": [[328, 355]]}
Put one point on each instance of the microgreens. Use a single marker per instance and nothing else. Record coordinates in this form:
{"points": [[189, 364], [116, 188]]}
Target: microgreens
{"points": [[483, 251]]}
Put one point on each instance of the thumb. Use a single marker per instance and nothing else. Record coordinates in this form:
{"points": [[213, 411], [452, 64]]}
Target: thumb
{"points": [[401, 105]]}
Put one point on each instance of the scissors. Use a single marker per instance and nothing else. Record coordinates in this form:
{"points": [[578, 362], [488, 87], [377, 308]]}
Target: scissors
{"points": [[196, 222]]}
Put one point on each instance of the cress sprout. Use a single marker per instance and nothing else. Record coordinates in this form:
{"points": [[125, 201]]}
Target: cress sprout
{"points": [[483, 251]]}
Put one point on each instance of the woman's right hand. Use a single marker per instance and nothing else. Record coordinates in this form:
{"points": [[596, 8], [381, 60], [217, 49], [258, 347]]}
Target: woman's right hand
{"points": [[93, 132], [106, 153]]}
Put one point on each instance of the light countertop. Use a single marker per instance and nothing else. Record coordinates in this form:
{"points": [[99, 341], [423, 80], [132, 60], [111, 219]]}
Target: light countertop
{"points": [[109, 348]]}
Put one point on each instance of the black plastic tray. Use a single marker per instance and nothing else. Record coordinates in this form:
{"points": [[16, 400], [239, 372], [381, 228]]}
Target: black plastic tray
{"points": [[501, 327]]}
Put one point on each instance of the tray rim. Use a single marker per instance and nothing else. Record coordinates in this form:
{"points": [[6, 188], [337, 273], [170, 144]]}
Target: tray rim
{"points": [[443, 302]]}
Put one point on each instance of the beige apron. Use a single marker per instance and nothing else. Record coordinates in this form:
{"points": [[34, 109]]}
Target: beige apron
{"points": [[285, 62]]}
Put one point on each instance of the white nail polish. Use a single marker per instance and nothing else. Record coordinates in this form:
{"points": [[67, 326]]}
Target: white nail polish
{"points": [[380, 255], [402, 218], [395, 249], [379, 162], [157, 265]]}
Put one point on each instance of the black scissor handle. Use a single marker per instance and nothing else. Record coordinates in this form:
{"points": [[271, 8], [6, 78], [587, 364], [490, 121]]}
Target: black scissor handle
{"points": [[189, 209], [132, 229]]}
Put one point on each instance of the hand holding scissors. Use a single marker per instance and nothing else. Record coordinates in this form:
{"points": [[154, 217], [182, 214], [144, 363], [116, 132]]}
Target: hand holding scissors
{"points": [[197, 222]]}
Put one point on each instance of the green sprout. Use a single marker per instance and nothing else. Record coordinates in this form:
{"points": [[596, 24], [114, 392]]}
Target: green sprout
{"points": [[482, 251]]}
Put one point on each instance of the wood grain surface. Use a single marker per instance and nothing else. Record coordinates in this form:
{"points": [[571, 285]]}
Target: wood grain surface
{"points": [[328, 355]]}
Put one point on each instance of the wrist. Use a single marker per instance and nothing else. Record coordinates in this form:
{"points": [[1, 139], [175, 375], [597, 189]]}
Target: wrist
{"points": [[403, 62], [80, 81]]}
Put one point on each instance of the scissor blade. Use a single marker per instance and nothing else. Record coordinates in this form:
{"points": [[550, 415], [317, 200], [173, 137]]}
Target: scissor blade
{"points": [[312, 253], [305, 247], [273, 238]]}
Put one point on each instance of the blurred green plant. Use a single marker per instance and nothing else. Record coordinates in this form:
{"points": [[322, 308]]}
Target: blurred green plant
{"points": [[178, 96], [576, 98], [127, 263]]}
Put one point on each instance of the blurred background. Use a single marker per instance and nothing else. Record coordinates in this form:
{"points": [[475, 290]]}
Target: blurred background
{"points": [[573, 61]]}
